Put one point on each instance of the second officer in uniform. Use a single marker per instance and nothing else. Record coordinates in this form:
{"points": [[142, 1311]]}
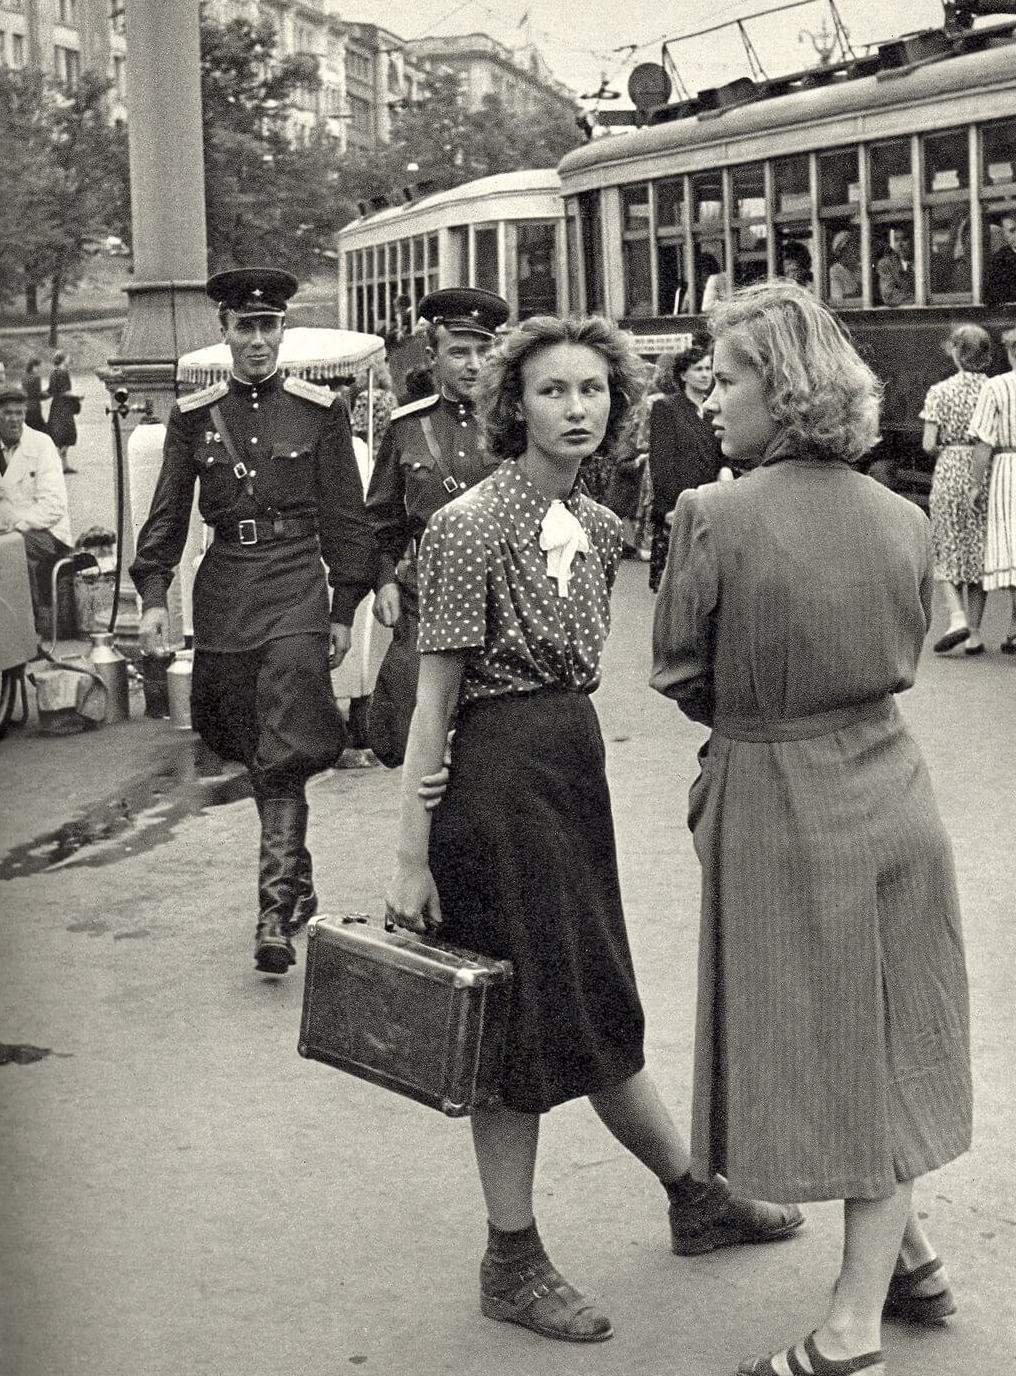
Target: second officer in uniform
{"points": [[431, 453], [279, 485]]}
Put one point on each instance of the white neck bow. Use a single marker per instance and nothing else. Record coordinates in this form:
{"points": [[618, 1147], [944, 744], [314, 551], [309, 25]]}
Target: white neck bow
{"points": [[562, 537]]}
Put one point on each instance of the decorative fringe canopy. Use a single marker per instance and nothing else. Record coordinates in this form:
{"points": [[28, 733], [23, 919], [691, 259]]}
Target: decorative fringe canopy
{"points": [[309, 352]]}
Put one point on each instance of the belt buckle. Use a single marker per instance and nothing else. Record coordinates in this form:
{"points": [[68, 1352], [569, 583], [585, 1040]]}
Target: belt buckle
{"points": [[450, 485], [248, 536]]}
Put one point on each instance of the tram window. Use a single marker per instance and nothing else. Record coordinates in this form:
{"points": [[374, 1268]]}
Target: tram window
{"points": [[749, 222], [405, 266], [433, 273], [592, 250], [571, 226], [949, 267], [458, 256], [671, 286], [946, 162], [892, 252], [892, 178], [638, 296], [998, 158], [537, 268], [1000, 257], [710, 278], [706, 197], [839, 182], [792, 186], [486, 273], [843, 255]]}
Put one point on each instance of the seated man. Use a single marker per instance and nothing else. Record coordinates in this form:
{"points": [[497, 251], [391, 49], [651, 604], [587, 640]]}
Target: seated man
{"points": [[33, 496], [895, 270]]}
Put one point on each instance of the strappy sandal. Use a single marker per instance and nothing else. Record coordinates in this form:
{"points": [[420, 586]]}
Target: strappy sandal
{"points": [[820, 1366], [538, 1297], [904, 1301], [720, 1218]]}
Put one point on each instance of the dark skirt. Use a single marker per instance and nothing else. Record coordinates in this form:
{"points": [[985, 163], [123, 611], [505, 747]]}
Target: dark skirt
{"points": [[659, 550], [522, 851]]}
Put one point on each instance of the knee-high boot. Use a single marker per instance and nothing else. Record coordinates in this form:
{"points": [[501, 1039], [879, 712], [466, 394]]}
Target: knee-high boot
{"points": [[283, 828], [306, 904]]}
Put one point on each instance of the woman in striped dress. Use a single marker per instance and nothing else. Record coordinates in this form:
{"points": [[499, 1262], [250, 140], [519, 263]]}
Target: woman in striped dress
{"points": [[957, 518], [993, 430], [832, 1043]]}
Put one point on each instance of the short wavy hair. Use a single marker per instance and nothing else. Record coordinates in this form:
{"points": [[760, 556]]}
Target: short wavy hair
{"points": [[970, 346], [819, 389], [701, 347], [499, 388]]}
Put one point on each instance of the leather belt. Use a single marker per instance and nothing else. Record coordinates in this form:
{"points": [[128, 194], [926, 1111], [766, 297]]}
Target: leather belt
{"points": [[257, 531], [802, 728]]}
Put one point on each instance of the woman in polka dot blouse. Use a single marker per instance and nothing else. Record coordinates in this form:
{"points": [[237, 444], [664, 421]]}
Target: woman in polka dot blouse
{"points": [[517, 859]]}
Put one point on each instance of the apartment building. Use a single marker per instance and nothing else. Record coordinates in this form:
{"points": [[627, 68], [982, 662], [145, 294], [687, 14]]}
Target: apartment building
{"points": [[65, 38]]}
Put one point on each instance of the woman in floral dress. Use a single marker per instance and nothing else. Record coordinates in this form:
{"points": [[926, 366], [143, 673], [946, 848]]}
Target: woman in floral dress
{"points": [[958, 509]]}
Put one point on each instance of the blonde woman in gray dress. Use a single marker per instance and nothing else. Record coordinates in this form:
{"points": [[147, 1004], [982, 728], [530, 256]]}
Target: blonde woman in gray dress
{"points": [[832, 1043]]}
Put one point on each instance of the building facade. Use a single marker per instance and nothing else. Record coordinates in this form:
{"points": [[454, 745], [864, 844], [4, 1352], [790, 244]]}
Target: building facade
{"points": [[366, 72]]}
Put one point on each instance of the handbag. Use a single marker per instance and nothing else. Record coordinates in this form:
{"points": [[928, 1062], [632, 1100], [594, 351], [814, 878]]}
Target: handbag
{"points": [[394, 696]]}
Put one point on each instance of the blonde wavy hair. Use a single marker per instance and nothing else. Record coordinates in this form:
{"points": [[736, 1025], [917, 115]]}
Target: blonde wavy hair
{"points": [[819, 389], [500, 384]]}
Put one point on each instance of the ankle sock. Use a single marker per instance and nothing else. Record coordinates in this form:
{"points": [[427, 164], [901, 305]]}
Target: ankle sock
{"points": [[507, 1246]]}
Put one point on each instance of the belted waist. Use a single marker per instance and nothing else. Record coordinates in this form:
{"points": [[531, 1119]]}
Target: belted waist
{"points": [[262, 530], [802, 728]]}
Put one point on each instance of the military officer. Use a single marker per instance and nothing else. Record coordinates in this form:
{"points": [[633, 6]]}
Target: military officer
{"points": [[278, 483], [430, 454]]}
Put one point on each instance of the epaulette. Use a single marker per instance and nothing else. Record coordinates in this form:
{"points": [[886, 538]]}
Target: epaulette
{"points": [[424, 404], [208, 396], [310, 391]]}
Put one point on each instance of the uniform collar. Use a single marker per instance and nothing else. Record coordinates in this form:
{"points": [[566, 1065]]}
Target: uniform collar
{"points": [[527, 505], [457, 407], [263, 384]]}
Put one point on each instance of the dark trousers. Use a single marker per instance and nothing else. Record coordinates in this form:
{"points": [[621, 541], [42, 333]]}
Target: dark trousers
{"points": [[272, 709], [42, 550]]}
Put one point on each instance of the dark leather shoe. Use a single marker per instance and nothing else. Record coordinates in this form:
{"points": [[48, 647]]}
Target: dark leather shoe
{"points": [[950, 640], [531, 1292], [274, 953], [713, 1216]]}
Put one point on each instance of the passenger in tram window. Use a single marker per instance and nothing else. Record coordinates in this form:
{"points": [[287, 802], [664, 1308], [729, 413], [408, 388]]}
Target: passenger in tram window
{"points": [[894, 267], [710, 280], [1000, 282], [796, 263], [845, 270], [832, 1053]]}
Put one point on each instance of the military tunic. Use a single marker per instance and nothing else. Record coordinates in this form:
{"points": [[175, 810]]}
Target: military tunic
{"points": [[431, 452], [293, 498]]}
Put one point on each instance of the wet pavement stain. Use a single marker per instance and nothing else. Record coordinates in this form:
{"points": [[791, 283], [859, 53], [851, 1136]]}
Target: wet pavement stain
{"points": [[21, 1053], [135, 819], [132, 936], [90, 927]]}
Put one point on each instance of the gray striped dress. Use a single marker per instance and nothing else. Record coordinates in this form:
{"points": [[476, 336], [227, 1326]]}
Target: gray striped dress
{"points": [[832, 1040], [994, 422]]}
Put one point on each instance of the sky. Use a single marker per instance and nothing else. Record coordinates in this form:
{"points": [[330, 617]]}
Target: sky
{"points": [[581, 54]]}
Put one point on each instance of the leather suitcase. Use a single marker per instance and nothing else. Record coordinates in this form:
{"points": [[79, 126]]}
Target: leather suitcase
{"points": [[406, 1012]]}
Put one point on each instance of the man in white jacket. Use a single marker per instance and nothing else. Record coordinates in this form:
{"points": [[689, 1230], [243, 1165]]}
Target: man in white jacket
{"points": [[33, 494]]}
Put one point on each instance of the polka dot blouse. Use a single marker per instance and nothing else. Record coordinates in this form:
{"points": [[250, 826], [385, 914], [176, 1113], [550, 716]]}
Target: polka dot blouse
{"points": [[485, 589]]}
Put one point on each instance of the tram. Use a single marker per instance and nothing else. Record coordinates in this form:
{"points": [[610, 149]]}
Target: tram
{"points": [[505, 233], [886, 183]]}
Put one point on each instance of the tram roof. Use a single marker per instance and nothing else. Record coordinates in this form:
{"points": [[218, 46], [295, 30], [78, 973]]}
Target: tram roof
{"points": [[802, 119], [529, 181]]}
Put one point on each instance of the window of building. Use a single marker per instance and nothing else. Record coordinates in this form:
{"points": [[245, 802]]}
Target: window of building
{"points": [[536, 250], [671, 289], [67, 67], [17, 50], [66, 12], [638, 293], [485, 263], [359, 115], [120, 76]]}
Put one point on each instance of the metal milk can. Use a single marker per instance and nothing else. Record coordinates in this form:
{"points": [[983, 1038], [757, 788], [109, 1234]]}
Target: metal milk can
{"points": [[110, 665], [178, 688]]}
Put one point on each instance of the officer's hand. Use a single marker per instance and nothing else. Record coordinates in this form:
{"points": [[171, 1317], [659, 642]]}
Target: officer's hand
{"points": [[388, 604], [339, 641], [412, 901], [154, 631]]}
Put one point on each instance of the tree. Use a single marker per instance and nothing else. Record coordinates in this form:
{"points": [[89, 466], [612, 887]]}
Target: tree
{"points": [[269, 197], [66, 168]]}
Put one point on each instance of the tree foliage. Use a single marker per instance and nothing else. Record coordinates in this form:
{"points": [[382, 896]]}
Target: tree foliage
{"points": [[269, 196], [66, 178]]}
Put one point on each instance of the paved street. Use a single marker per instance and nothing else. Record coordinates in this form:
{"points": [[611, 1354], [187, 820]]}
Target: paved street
{"points": [[184, 1194]]}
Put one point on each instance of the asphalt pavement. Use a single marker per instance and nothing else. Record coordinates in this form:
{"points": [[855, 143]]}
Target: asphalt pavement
{"points": [[183, 1194]]}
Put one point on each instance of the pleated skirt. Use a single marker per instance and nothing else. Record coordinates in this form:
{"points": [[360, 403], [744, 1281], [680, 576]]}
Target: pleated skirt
{"points": [[1000, 541], [522, 851], [832, 1041]]}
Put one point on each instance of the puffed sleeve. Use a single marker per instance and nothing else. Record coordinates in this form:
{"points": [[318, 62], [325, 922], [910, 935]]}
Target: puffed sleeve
{"points": [[453, 582], [932, 408], [347, 543], [162, 538], [984, 422], [685, 608]]}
